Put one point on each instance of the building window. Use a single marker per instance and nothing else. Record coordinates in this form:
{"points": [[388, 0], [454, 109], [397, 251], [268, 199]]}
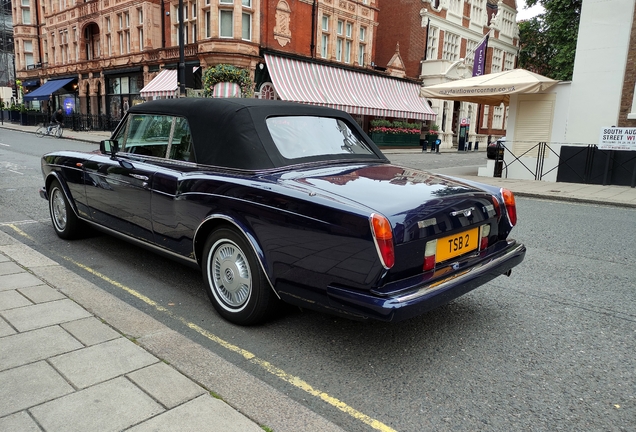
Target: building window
{"points": [[28, 54], [140, 15], [507, 22], [347, 51], [433, 43], [497, 117], [76, 44], [208, 24], [484, 123], [451, 47], [247, 27], [497, 55], [349, 30], [339, 40], [226, 23], [324, 46], [471, 46], [477, 11], [509, 61], [456, 7], [226, 1], [325, 23], [108, 29], [46, 51], [247, 3], [141, 39], [362, 47], [26, 11]]}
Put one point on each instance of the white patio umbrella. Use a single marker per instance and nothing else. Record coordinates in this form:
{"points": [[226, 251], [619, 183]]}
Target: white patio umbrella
{"points": [[490, 89]]}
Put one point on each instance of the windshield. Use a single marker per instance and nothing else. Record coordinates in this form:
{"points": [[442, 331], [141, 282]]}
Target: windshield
{"points": [[305, 136]]}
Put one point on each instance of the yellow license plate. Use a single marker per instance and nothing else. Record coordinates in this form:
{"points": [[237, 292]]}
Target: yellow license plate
{"points": [[457, 244]]}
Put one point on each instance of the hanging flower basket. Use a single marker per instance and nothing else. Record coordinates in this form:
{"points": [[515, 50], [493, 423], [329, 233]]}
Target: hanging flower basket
{"points": [[227, 73]]}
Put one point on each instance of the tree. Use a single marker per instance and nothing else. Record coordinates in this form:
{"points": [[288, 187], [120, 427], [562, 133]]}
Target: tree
{"points": [[548, 41]]}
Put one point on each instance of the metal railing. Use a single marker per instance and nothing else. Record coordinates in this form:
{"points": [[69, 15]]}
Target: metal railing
{"points": [[91, 122], [576, 163]]}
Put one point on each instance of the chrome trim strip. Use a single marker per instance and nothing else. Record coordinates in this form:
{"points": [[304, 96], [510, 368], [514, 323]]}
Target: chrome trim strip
{"points": [[474, 271], [140, 242], [249, 240]]}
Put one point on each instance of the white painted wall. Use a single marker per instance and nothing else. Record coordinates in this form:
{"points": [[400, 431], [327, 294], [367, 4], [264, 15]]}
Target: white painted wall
{"points": [[599, 68], [518, 167]]}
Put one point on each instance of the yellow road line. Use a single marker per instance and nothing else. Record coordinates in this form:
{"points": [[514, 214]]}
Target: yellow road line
{"points": [[291, 379], [19, 231]]}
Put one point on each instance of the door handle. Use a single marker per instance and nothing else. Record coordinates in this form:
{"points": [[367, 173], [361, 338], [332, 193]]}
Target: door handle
{"points": [[139, 177]]}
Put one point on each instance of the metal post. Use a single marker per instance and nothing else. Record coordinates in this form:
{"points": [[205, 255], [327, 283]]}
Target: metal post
{"points": [[610, 153], [182, 87]]}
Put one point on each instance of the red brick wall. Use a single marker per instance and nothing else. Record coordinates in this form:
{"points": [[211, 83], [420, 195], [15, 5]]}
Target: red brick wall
{"points": [[629, 81], [400, 21], [300, 28]]}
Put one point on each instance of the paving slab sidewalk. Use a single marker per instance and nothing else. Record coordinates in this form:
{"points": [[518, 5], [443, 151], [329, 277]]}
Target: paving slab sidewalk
{"points": [[75, 358]]}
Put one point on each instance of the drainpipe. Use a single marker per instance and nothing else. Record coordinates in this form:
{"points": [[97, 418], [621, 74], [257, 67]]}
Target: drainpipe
{"points": [[312, 47], [163, 25], [37, 29]]}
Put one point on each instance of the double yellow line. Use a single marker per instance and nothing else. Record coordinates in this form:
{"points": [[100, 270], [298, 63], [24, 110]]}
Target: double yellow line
{"points": [[291, 379]]}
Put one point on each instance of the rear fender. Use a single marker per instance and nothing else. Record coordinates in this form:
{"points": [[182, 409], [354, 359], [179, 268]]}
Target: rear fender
{"points": [[215, 221]]}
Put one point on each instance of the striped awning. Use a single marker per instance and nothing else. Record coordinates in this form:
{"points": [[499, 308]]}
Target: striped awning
{"points": [[350, 91], [165, 83], [226, 90]]}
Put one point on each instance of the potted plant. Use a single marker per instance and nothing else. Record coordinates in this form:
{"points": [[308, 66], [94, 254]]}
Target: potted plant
{"points": [[396, 133], [23, 115], [15, 112]]}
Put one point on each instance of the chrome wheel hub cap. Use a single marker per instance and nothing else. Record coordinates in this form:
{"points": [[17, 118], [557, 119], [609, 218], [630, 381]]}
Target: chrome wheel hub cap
{"points": [[231, 275]]}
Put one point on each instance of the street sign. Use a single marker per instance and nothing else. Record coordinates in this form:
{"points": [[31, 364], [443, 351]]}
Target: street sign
{"points": [[613, 138], [464, 122]]}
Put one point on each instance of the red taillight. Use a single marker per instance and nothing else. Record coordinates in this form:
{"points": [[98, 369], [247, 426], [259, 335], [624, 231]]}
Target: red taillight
{"points": [[511, 207], [429, 255], [495, 204], [383, 236]]}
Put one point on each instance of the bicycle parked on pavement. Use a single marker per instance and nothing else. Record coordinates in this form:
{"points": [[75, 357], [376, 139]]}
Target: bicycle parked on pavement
{"points": [[51, 130]]}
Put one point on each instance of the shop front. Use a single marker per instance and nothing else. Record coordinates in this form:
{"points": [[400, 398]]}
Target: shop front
{"points": [[122, 91]]}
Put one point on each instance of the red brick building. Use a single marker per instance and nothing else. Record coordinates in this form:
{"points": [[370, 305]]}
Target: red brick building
{"points": [[102, 56]]}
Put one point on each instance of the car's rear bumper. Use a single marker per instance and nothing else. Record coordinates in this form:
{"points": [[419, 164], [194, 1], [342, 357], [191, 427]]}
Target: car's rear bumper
{"points": [[416, 295]]}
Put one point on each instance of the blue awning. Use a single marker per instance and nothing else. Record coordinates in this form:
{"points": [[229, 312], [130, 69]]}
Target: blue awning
{"points": [[47, 89]]}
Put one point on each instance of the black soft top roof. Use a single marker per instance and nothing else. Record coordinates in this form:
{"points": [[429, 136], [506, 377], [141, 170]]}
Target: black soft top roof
{"points": [[232, 133]]}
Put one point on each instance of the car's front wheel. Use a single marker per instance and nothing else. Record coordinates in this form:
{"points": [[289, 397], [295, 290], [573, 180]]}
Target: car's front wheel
{"points": [[65, 221], [235, 281]]}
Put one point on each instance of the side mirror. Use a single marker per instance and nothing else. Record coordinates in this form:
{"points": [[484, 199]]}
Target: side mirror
{"points": [[109, 147]]}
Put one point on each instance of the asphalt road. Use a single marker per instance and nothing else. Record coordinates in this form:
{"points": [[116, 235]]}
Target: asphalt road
{"points": [[549, 348]]}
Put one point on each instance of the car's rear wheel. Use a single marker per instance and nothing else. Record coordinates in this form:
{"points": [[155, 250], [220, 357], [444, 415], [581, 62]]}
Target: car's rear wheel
{"points": [[65, 221], [236, 283]]}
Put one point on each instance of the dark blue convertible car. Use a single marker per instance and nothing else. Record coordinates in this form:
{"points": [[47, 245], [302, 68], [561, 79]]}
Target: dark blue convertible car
{"points": [[282, 201]]}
